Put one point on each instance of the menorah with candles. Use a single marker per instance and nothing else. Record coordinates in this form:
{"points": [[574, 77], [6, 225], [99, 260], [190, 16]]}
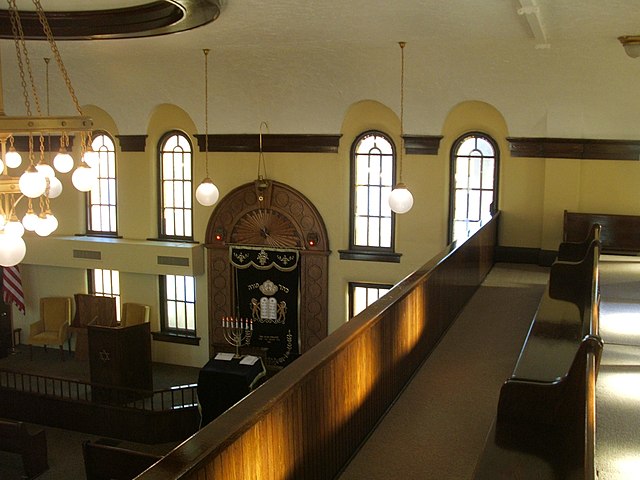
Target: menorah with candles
{"points": [[237, 331]]}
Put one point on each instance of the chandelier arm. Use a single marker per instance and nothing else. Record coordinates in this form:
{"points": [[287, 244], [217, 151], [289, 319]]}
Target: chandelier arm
{"points": [[56, 53]]}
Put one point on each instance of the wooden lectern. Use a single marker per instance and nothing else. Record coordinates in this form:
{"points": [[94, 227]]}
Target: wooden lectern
{"points": [[91, 310], [120, 357]]}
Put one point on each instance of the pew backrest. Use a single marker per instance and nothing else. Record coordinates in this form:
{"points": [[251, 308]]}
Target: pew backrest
{"points": [[107, 462], [618, 235]]}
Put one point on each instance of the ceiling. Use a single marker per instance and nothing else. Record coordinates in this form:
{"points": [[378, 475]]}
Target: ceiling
{"points": [[549, 67]]}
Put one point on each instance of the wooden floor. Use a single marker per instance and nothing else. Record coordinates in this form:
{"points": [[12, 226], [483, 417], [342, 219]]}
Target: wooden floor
{"points": [[618, 384]]}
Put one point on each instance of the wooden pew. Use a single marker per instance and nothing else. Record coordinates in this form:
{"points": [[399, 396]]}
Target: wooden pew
{"points": [[619, 232], [545, 420], [31, 446], [107, 462]]}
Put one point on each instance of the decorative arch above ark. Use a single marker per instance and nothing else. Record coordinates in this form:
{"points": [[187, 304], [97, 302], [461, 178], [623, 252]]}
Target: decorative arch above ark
{"points": [[272, 217]]}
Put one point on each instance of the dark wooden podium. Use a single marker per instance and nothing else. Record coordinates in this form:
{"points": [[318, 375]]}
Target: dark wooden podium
{"points": [[6, 329], [120, 357], [91, 310]]}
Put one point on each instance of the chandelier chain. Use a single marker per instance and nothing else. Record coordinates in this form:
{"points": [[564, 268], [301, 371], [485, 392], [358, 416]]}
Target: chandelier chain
{"points": [[18, 36], [56, 53], [206, 111]]}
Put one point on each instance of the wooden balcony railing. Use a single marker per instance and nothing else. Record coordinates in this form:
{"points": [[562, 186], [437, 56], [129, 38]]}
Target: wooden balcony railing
{"points": [[160, 416], [181, 396], [308, 420]]}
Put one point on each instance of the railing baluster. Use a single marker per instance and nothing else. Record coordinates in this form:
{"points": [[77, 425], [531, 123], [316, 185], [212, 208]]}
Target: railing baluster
{"points": [[121, 397]]}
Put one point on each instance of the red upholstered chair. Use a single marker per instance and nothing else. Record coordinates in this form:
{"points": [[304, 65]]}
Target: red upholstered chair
{"points": [[52, 328]]}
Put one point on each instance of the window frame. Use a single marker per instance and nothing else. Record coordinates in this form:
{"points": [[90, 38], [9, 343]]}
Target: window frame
{"points": [[183, 333], [91, 287], [162, 230], [453, 156], [369, 252], [352, 289], [89, 205]]}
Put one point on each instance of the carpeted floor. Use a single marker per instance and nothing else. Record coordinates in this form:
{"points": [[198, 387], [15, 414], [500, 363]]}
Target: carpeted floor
{"points": [[437, 427], [65, 446]]}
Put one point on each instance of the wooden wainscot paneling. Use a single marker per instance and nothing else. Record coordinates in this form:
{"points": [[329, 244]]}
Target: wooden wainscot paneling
{"points": [[284, 143], [574, 148]]}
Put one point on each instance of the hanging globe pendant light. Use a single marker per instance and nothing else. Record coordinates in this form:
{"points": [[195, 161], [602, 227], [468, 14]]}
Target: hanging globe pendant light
{"points": [[400, 198], [207, 193]]}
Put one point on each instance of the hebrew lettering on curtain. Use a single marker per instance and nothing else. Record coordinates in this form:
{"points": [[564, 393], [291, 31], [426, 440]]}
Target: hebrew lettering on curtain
{"points": [[267, 286]]}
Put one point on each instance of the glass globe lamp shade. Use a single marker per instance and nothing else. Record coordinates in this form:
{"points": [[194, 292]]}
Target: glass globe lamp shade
{"points": [[14, 227], [207, 193], [63, 162], [46, 170], [1, 166], [32, 183], [3, 220], [12, 250], [30, 221], [46, 225], [91, 157], [13, 158], [400, 199], [55, 188], [84, 177]]}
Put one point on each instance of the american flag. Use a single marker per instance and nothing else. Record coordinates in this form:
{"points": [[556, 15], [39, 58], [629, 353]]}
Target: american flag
{"points": [[12, 287]]}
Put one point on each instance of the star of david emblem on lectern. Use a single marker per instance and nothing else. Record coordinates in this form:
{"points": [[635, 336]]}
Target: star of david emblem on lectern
{"points": [[104, 355]]}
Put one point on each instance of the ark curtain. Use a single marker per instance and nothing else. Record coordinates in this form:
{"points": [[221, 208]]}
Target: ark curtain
{"points": [[267, 291]]}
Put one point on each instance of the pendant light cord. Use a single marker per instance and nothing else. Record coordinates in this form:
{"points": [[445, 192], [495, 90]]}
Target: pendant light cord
{"points": [[206, 112], [402, 44], [261, 161]]}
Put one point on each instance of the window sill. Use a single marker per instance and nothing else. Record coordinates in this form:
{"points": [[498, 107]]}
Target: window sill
{"points": [[175, 338], [173, 240], [99, 235], [369, 256]]}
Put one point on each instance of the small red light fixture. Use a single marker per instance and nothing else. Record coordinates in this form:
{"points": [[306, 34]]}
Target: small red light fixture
{"points": [[312, 239]]}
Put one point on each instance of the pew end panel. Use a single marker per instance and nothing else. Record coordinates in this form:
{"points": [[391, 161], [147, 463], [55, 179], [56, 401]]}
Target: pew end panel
{"points": [[16, 437], [570, 251]]}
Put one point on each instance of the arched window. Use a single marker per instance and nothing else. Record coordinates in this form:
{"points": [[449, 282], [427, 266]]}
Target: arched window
{"points": [[474, 183], [176, 219], [372, 236], [102, 207]]}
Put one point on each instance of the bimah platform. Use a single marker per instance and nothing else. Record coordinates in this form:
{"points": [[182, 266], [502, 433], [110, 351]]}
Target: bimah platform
{"points": [[225, 380]]}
